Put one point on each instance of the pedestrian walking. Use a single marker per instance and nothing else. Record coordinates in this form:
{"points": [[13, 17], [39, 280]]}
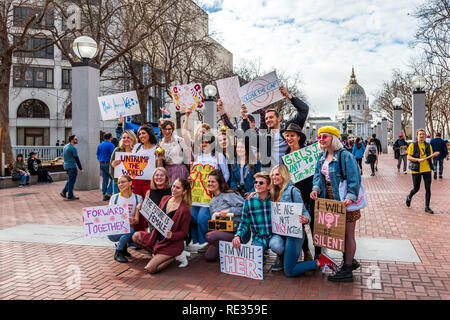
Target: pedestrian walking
{"points": [[104, 152], [400, 146], [71, 161], [371, 156], [358, 152], [439, 145], [420, 154], [326, 185], [379, 148]]}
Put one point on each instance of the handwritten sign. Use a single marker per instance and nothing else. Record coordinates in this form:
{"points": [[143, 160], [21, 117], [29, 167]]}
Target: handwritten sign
{"points": [[116, 105], [199, 190], [188, 96], [329, 224], [106, 220], [285, 219], [245, 262], [135, 166], [229, 94], [158, 218], [261, 92], [302, 163]]}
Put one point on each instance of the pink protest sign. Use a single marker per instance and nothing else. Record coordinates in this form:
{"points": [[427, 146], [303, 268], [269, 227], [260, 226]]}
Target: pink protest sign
{"points": [[187, 96], [106, 220], [247, 261], [261, 92]]}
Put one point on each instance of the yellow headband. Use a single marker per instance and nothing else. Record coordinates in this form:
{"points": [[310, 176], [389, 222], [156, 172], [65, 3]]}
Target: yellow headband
{"points": [[331, 130]]}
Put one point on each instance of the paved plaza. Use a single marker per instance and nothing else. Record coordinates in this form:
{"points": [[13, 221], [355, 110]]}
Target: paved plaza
{"points": [[404, 252]]}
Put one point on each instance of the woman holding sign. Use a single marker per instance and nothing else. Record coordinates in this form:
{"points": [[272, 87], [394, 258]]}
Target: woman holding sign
{"points": [[288, 248], [326, 185], [146, 148], [166, 249], [126, 144], [296, 140], [134, 203]]}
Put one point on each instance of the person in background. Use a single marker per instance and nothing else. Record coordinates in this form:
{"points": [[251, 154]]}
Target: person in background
{"points": [[358, 152], [439, 145], [166, 249], [224, 201], [57, 143], [288, 248], [134, 204], [428, 139], [115, 142], [400, 146], [20, 171], [371, 156], [295, 139], [127, 142], [243, 170], [35, 168], [379, 149], [326, 185], [256, 215], [421, 152], [104, 152], [71, 161]]}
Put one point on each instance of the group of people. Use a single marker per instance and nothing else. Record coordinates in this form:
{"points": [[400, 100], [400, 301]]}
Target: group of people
{"points": [[368, 149], [22, 171], [241, 186]]}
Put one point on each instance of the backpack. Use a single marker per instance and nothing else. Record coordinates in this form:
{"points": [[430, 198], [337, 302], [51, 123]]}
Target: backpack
{"points": [[372, 149]]}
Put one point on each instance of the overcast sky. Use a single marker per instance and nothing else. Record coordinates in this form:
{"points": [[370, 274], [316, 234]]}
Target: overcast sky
{"points": [[320, 39]]}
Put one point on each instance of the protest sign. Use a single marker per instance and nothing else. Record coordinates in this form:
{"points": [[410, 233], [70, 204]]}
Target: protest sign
{"points": [[229, 94], [187, 96], [116, 105], [158, 218], [137, 167], [245, 262], [329, 224], [285, 219], [302, 163], [199, 173], [261, 92], [106, 220]]}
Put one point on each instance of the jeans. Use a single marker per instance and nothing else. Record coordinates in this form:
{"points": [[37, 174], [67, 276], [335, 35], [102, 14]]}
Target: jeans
{"points": [[70, 184], [288, 248], [417, 177], [257, 243], [106, 179], [399, 162], [201, 215], [213, 238], [24, 178], [122, 239], [441, 166]]}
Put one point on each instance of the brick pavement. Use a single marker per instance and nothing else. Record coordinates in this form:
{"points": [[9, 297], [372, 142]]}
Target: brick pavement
{"points": [[45, 271]]}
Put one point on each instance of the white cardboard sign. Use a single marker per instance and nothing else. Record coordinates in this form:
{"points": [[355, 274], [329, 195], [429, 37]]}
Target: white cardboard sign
{"points": [[106, 220], [244, 262], [116, 105], [229, 94], [158, 218], [285, 219], [136, 166]]}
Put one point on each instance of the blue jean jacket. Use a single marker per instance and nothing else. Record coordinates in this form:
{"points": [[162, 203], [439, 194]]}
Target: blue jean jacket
{"points": [[296, 198], [249, 171], [350, 169]]}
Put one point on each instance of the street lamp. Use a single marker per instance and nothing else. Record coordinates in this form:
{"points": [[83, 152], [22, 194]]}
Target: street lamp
{"points": [[397, 115], [350, 125], [308, 133], [210, 110], [85, 110], [418, 84]]}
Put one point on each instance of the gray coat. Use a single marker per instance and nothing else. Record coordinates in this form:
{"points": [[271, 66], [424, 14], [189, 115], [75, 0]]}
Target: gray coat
{"points": [[231, 201]]}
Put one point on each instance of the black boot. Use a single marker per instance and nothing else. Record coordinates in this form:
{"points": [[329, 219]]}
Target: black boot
{"points": [[119, 256], [343, 275], [125, 252], [355, 263]]}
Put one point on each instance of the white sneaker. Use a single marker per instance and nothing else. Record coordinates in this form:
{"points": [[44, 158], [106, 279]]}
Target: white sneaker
{"points": [[183, 259]]}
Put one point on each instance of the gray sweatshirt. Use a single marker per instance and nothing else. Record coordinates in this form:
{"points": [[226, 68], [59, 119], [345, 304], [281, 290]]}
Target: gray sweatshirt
{"points": [[231, 201]]}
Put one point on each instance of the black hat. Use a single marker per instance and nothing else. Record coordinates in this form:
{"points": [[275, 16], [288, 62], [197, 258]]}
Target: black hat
{"points": [[31, 153], [297, 129]]}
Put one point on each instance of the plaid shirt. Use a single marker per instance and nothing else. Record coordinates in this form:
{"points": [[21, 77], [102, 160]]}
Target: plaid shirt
{"points": [[256, 216]]}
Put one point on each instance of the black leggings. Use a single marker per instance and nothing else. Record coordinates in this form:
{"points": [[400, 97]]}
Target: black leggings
{"points": [[359, 162], [416, 177]]}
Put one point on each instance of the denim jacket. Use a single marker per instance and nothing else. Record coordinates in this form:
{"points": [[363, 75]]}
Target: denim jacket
{"points": [[296, 198], [349, 167], [249, 172]]}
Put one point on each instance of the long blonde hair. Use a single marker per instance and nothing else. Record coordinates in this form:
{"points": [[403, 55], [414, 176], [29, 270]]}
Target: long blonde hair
{"points": [[277, 191], [186, 186], [132, 136], [153, 184]]}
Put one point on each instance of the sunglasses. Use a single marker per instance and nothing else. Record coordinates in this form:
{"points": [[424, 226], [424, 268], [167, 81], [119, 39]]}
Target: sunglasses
{"points": [[323, 137], [259, 182]]}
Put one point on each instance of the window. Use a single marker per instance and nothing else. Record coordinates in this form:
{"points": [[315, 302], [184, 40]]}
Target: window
{"points": [[35, 43], [32, 77], [66, 78], [66, 45], [22, 15], [348, 107], [33, 108], [358, 107], [353, 107]]}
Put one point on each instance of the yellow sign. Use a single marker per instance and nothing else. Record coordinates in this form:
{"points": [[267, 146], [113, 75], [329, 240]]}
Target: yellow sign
{"points": [[199, 175]]}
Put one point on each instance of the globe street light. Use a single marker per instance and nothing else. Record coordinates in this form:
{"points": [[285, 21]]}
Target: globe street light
{"points": [[397, 115], [418, 84], [210, 91], [85, 110], [210, 110]]}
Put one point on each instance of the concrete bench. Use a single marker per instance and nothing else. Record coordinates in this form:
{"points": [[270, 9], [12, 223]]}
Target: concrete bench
{"points": [[7, 182]]}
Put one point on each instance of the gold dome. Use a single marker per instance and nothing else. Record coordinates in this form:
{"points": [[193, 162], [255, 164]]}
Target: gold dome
{"points": [[353, 88]]}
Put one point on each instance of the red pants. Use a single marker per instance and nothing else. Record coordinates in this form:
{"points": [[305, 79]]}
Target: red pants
{"points": [[141, 187]]}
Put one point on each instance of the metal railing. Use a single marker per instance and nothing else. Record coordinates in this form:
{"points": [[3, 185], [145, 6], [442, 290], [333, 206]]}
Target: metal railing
{"points": [[46, 153]]}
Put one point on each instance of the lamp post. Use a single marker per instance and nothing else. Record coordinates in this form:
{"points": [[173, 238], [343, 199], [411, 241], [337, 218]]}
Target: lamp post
{"points": [[85, 110], [418, 84], [210, 111], [308, 132], [350, 125], [344, 126], [314, 127], [384, 135], [397, 103]]}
